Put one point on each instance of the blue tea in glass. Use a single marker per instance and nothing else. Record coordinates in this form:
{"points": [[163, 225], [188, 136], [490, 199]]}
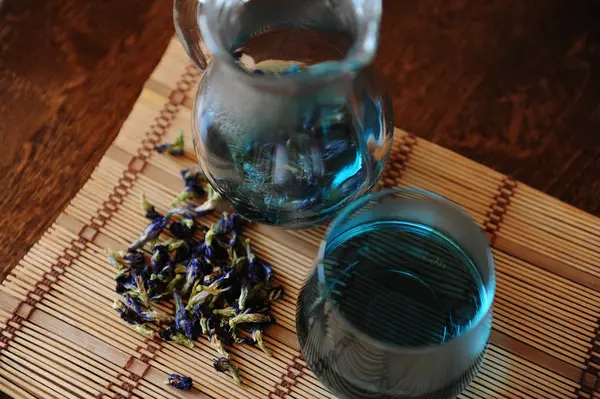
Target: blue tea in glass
{"points": [[290, 124], [399, 305]]}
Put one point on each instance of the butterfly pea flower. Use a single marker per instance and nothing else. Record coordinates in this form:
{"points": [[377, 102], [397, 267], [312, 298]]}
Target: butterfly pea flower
{"points": [[160, 257], [151, 314], [173, 285], [257, 270], [275, 294], [182, 320], [127, 314], [204, 325], [167, 332], [179, 251], [195, 184], [214, 338], [257, 336], [192, 275], [244, 293], [229, 223], [213, 200], [174, 148], [151, 232], [180, 269], [225, 312], [203, 292], [144, 330], [149, 210], [224, 365], [115, 258], [235, 224], [180, 338], [132, 312], [124, 260], [124, 281], [216, 275], [198, 319], [181, 211], [248, 318], [183, 229], [140, 292], [179, 381]]}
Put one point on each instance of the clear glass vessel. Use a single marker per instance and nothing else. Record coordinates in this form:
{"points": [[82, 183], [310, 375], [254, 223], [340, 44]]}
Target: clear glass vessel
{"points": [[290, 123], [399, 304]]}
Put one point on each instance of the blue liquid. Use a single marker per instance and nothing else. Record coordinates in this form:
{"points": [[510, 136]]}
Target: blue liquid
{"points": [[403, 285]]}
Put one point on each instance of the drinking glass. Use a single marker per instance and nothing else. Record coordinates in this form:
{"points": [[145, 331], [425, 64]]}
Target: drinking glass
{"points": [[399, 303]]}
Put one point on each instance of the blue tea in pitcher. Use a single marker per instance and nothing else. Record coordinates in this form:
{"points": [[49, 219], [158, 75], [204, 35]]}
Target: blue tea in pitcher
{"points": [[289, 122]]}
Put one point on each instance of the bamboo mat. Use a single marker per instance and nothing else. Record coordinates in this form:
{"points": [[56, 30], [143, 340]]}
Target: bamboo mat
{"points": [[59, 337]]}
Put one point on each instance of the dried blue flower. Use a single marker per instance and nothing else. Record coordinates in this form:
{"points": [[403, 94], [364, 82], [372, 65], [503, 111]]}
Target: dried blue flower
{"points": [[160, 257], [151, 232], [135, 260], [168, 332], [203, 292], [149, 210], [195, 185], [179, 381], [193, 273], [132, 312], [144, 330], [257, 336], [183, 229], [194, 180], [213, 200], [171, 287], [244, 293], [180, 339], [268, 272], [182, 321], [275, 294], [127, 314], [179, 251], [121, 260], [258, 271], [116, 259], [248, 318], [124, 281], [175, 148], [222, 226], [214, 337], [226, 312], [224, 365], [138, 290]]}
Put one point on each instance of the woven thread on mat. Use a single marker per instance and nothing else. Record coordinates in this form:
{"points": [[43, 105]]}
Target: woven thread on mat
{"points": [[590, 376], [153, 137], [288, 379], [499, 207], [399, 158]]}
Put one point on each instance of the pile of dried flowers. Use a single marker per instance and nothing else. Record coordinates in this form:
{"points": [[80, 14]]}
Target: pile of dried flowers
{"points": [[220, 289]]}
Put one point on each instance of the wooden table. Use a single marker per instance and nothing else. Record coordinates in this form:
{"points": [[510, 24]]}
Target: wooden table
{"points": [[514, 85]]}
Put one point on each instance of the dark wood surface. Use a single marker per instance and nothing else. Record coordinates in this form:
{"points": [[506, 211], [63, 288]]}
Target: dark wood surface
{"points": [[512, 84]]}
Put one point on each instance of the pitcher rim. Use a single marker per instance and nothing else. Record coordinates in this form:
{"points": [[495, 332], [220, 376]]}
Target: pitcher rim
{"points": [[358, 57]]}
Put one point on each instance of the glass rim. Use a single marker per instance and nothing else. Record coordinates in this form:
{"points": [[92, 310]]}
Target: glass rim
{"points": [[361, 202], [359, 55]]}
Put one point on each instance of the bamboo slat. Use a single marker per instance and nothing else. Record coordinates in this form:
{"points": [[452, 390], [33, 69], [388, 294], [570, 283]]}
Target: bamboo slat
{"points": [[60, 339]]}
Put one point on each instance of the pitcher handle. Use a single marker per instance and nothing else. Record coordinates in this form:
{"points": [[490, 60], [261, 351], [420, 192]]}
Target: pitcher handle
{"points": [[185, 17]]}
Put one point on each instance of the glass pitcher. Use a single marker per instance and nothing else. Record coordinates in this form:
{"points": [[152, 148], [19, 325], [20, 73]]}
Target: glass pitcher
{"points": [[289, 123]]}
